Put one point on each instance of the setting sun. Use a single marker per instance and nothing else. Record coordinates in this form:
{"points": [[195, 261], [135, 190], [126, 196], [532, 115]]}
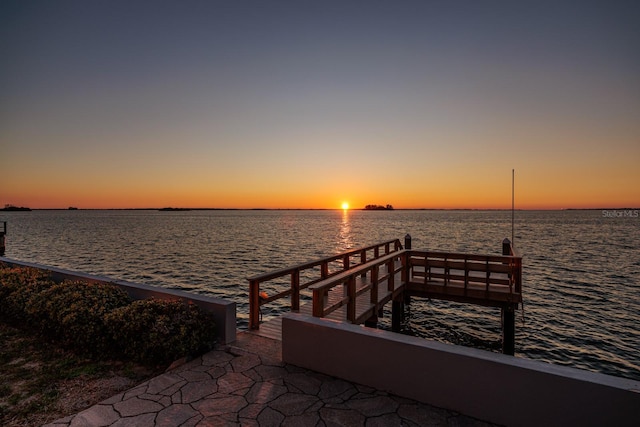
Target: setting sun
{"points": [[345, 205]]}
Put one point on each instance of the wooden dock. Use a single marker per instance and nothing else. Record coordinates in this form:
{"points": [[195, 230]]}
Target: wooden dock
{"points": [[355, 286]]}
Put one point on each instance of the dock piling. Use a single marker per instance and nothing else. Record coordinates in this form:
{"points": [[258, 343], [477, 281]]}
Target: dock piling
{"points": [[3, 232], [508, 331], [397, 313]]}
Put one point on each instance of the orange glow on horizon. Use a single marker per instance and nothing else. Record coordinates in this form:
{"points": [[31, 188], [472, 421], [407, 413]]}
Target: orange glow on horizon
{"points": [[526, 200], [531, 193]]}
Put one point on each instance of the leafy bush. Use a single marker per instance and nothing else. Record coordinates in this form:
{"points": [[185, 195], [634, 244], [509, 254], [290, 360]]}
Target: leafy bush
{"points": [[101, 320], [161, 331], [73, 312], [18, 285]]}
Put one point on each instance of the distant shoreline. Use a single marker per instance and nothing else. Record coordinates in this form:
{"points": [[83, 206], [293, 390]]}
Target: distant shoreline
{"points": [[315, 209]]}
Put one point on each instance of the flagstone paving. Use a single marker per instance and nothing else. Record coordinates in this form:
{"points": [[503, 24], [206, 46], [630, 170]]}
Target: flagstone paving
{"points": [[247, 384]]}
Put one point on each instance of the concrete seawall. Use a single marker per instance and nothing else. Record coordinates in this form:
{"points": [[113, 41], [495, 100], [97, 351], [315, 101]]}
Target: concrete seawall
{"points": [[494, 387], [224, 312]]}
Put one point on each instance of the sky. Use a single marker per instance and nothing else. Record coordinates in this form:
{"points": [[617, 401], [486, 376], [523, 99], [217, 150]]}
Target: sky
{"points": [[309, 104]]}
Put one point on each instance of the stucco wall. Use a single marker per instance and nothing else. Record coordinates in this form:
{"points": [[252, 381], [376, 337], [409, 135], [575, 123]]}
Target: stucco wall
{"points": [[224, 311], [492, 387]]}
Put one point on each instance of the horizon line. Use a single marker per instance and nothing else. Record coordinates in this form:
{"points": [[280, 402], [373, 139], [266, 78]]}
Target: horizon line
{"points": [[172, 209]]}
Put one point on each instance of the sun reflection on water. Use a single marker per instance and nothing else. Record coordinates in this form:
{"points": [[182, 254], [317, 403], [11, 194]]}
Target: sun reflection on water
{"points": [[345, 238]]}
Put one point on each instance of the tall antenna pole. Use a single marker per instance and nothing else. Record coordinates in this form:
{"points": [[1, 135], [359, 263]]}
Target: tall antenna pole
{"points": [[513, 179]]}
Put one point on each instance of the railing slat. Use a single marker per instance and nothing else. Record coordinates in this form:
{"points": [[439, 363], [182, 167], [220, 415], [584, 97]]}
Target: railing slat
{"points": [[351, 303]]}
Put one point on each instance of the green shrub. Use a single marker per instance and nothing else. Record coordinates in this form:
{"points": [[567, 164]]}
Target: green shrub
{"points": [[161, 331], [18, 285], [73, 312], [100, 320]]}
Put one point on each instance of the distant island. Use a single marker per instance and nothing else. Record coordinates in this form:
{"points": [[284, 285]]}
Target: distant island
{"points": [[173, 209], [378, 208], [14, 208]]}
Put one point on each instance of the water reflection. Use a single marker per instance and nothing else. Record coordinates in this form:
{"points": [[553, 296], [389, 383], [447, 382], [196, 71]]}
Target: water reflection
{"points": [[345, 238]]}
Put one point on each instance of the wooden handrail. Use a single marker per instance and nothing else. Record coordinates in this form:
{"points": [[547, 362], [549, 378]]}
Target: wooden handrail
{"points": [[467, 269], [344, 275], [294, 272], [349, 279]]}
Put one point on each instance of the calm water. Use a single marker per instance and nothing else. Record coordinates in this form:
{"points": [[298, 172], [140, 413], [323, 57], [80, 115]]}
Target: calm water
{"points": [[581, 268]]}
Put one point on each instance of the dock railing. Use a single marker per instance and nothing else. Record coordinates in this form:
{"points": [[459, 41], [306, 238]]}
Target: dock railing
{"points": [[360, 280], [305, 275], [498, 277]]}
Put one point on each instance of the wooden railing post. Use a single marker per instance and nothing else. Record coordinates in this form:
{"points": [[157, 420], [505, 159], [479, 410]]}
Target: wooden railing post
{"points": [[363, 260], [345, 262], [254, 304], [295, 290], [466, 273], [405, 258], [324, 270], [407, 242], [374, 285], [506, 247], [318, 303], [392, 275], [351, 304]]}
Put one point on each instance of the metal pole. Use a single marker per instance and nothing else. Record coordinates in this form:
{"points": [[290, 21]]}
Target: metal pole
{"points": [[513, 180]]}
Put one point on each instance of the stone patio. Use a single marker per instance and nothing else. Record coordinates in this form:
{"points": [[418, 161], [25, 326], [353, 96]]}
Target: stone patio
{"points": [[247, 384]]}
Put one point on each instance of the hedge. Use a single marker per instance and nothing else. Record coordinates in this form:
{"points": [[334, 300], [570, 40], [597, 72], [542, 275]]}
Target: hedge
{"points": [[156, 330], [74, 314], [100, 320]]}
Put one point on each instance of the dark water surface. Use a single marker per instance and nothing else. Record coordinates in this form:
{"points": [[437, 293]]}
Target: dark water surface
{"points": [[580, 278]]}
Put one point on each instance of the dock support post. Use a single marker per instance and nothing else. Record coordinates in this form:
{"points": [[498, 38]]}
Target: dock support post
{"points": [[371, 322], [397, 313], [407, 241], [3, 231], [407, 298], [254, 305], [508, 330]]}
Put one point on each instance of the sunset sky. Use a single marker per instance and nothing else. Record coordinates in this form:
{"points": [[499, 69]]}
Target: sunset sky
{"points": [[307, 104]]}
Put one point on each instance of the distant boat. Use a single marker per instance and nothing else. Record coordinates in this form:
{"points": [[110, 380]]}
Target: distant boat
{"points": [[15, 208]]}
